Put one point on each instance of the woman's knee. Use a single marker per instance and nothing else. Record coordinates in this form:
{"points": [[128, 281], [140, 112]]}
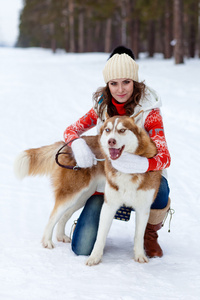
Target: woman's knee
{"points": [[163, 194], [94, 203], [86, 229]]}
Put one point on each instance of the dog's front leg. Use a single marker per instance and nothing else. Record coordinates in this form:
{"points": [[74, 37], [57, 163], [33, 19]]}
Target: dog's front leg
{"points": [[141, 223], [106, 218]]}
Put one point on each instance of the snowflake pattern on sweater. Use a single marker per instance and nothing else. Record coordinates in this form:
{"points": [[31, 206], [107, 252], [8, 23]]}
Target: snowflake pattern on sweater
{"points": [[74, 131], [153, 125]]}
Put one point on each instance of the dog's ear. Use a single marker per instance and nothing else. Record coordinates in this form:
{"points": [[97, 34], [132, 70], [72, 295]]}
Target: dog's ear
{"points": [[146, 147], [134, 117], [106, 116], [101, 129], [103, 126]]}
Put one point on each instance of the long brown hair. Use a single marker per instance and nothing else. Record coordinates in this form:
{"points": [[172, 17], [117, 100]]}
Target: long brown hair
{"points": [[102, 98]]}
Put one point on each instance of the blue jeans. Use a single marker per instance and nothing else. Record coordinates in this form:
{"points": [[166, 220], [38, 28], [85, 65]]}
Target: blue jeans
{"points": [[85, 232]]}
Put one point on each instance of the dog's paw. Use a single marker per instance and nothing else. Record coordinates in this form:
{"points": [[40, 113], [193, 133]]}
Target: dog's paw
{"points": [[48, 244], [92, 261], [63, 238], [141, 258]]}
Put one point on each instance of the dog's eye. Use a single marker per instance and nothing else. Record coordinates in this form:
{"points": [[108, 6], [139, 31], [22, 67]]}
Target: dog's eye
{"points": [[122, 130], [107, 130]]}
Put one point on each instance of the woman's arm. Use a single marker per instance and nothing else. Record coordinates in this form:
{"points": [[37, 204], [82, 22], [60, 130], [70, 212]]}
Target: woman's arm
{"points": [[88, 121], [154, 126], [82, 153]]}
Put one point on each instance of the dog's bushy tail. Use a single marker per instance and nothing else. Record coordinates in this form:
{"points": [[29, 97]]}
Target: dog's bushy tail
{"points": [[36, 161]]}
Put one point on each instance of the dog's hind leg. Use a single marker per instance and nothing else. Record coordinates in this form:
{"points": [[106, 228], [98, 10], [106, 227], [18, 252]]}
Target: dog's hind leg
{"points": [[61, 236], [78, 202], [60, 233], [55, 216]]}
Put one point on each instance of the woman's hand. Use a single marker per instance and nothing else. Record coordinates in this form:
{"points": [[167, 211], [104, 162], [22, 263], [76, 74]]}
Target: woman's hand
{"points": [[130, 163], [84, 157]]}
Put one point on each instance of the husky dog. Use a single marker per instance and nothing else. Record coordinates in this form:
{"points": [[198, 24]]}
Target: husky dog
{"points": [[138, 191], [72, 188]]}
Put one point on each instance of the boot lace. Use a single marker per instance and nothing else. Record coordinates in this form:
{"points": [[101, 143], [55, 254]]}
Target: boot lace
{"points": [[72, 228], [170, 212]]}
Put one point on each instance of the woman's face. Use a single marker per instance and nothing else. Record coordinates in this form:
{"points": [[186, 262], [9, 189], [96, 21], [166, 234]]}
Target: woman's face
{"points": [[121, 89]]}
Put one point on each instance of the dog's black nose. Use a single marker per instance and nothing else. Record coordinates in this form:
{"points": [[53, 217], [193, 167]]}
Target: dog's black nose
{"points": [[112, 142]]}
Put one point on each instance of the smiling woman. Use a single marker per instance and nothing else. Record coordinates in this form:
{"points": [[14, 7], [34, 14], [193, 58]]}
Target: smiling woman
{"points": [[9, 21]]}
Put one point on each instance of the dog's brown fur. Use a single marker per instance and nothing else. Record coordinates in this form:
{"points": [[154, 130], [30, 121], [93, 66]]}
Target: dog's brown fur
{"points": [[42, 162]]}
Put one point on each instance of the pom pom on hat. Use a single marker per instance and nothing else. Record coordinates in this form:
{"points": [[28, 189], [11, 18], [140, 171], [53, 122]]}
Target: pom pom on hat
{"points": [[120, 66], [121, 50]]}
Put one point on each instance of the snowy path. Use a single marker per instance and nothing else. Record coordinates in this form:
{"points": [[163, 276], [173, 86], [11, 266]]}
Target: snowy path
{"points": [[40, 95]]}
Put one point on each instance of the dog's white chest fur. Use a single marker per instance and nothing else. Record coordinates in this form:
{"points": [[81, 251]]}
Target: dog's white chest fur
{"points": [[128, 192]]}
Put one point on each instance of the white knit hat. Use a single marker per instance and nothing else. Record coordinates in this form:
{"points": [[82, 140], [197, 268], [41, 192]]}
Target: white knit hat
{"points": [[120, 66]]}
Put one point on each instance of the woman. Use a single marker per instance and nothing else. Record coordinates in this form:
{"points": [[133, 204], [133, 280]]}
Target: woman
{"points": [[122, 95]]}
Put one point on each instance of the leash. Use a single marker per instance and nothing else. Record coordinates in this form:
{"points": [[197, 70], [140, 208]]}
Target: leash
{"points": [[63, 153], [76, 167]]}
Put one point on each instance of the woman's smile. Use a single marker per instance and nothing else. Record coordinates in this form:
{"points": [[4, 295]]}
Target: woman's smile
{"points": [[121, 95]]}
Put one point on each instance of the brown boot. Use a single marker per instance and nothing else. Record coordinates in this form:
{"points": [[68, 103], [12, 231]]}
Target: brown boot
{"points": [[151, 246], [156, 217]]}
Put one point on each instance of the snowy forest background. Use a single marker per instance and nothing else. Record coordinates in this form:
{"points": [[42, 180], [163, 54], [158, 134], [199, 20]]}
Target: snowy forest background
{"points": [[171, 27]]}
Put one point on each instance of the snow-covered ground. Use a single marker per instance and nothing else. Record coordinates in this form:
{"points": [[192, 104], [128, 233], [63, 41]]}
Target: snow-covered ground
{"points": [[40, 94]]}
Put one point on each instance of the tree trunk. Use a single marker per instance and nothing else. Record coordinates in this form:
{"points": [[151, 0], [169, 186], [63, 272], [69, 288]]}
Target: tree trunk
{"points": [[178, 31], [98, 45], [71, 27], [81, 32], [168, 30], [135, 37], [53, 45], [192, 28], [151, 38], [124, 22], [108, 35], [159, 37], [53, 40], [198, 38]]}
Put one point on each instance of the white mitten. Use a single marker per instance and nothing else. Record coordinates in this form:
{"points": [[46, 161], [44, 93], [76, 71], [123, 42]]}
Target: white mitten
{"points": [[82, 154], [130, 163]]}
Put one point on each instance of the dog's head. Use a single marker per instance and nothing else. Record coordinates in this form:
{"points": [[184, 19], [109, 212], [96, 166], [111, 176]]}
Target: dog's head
{"points": [[120, 134]]}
